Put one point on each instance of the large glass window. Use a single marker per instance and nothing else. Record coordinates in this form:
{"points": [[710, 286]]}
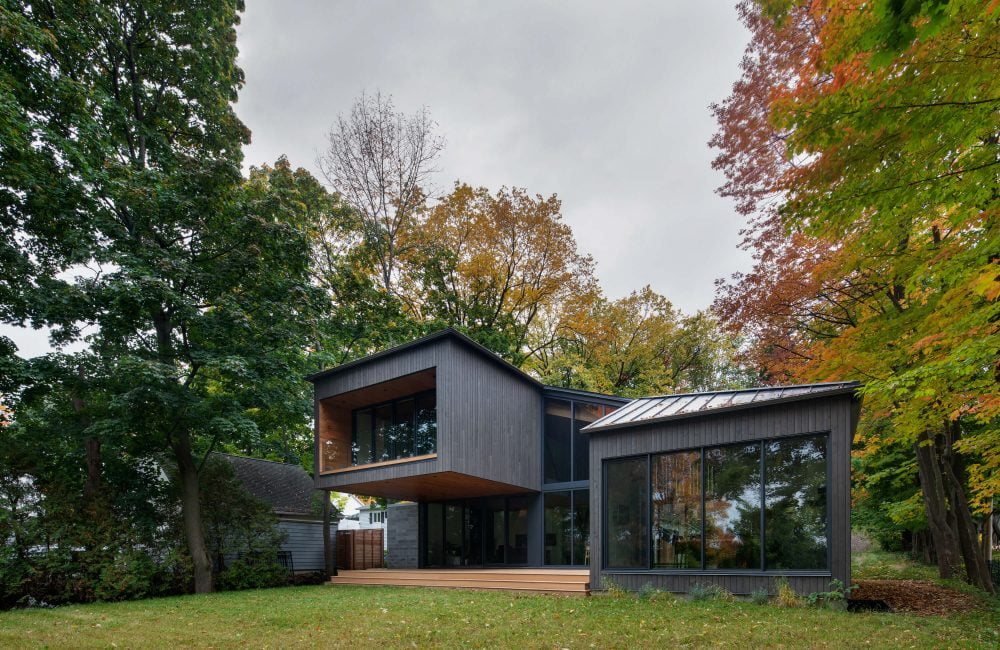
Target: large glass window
{"points": [[676, 497], [583, 414], [434, 534], [425, 424], [753, 506], [581, 526], [625, 513], [453, 530], [399, 429], [795, 506], [558, 528], [732, 507], [517, 530], [558, 446], [494, 523]]}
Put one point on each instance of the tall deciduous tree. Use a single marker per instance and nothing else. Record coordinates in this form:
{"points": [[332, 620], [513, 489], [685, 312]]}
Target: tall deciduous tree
{"points": [[380, 160], [639, 345], [862, 142], [493, 264], [122, 188]]}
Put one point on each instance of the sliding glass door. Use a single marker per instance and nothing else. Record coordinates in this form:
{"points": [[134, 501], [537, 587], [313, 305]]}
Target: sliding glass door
{"points": [[481, 532]]}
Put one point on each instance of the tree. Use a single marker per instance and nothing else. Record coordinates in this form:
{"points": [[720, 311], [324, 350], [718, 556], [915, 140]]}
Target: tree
{"points": [[640, 345], [862, 143], [493, 264], [192, 285], [380, 161]]}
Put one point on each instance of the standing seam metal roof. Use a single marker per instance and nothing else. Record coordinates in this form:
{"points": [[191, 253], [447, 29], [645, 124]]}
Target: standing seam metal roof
{"points": [[646, 410]]}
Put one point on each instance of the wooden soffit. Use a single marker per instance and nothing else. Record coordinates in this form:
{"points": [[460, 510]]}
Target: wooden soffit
{"points": [[436, 486]]}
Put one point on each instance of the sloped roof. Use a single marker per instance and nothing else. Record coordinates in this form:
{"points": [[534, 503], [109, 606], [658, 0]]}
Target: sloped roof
{"points": [[448, 332], [287, 488], [648, 410]]}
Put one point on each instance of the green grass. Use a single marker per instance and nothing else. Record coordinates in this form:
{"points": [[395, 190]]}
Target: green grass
{"points": [[883, 565], [391, 617]]}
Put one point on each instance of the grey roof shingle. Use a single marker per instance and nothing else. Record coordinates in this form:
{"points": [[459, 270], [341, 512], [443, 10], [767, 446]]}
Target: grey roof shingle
{"points": [[287, 488], [660, 408]]}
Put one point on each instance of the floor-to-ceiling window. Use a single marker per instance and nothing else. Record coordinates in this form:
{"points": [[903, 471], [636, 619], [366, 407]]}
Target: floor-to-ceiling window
{"points": [[566, 474], [476, 532], [626, 507], [751, 506]]}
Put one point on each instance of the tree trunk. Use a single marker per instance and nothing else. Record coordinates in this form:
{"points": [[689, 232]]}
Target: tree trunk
{"points": [[187, 472], [953, 471], [91, 449], [936, 506]]}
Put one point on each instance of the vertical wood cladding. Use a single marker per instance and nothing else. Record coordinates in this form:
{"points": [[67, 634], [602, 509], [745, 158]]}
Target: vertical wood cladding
{"points": [[488, 416], [833, 414]]}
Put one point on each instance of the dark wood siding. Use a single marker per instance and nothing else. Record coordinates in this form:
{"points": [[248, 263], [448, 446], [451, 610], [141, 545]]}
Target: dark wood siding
{"points": [[489, 422], [836, 415]]}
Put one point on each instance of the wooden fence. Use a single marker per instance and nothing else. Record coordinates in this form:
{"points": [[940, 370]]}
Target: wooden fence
{"points": [[360, 549]]}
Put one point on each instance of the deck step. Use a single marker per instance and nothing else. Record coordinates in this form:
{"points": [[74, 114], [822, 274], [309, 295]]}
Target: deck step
{"points": [[527, 580]]}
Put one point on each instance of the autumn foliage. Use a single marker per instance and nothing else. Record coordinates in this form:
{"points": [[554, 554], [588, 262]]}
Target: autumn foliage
{"points": [[862, 145]]}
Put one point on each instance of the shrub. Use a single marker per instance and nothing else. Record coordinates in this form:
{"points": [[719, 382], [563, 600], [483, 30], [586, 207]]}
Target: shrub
{"points": [[835, 598], [760, 596], [128, 576], [786, 595], [253, 574], [700, 592], [614, 589]]}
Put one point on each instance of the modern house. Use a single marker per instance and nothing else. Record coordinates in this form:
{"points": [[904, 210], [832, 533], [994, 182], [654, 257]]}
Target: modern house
{"points": [[736, 487]]}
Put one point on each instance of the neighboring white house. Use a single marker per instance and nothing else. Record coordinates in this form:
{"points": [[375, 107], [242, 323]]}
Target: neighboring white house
{"points": [[356, 515]]}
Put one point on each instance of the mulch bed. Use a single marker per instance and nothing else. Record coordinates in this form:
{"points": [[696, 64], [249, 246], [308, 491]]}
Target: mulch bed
{"points": [[915, 596]]}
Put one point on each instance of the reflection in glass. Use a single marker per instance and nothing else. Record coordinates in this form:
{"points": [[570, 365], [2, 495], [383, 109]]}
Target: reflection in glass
{"points": [[732, 507], [453, 535], [493, 515], [558, 453], [795, 532], [425, 433], [676, 495], [558, 528], [361, 448], [383, 425], [434, 535], [581, 526], [402, 431], [583, 414], [473, 536], [627, 501], [517, 530]]}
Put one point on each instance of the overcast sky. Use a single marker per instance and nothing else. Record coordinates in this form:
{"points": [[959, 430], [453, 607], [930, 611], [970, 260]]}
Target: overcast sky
{"points": [[603, 103]]}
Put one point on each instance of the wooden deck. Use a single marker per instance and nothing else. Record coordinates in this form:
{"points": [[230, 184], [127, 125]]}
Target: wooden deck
{"points": [[575, 582]]}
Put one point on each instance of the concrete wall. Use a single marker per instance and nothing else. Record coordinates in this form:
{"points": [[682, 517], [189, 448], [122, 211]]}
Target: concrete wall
{"points": [[402, 536]]}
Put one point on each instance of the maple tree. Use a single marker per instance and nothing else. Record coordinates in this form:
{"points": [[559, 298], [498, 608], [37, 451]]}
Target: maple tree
{"points": [[862, 144]]}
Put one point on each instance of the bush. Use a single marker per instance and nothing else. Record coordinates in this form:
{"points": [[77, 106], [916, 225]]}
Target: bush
{"points": [[835, 598], [700, 592], [614, 589], [253, 574], [129, 576], [786, 595], [760, 596]]}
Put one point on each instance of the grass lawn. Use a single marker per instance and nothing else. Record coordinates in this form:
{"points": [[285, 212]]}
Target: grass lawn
{"points": [[391, 617]]}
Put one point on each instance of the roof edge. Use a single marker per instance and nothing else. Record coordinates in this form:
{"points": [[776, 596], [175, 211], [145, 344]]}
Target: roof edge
{"points": [[850, 388], [448, 332]]}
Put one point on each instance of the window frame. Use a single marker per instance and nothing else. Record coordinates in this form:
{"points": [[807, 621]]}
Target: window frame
{"points": [[648, 456]]}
